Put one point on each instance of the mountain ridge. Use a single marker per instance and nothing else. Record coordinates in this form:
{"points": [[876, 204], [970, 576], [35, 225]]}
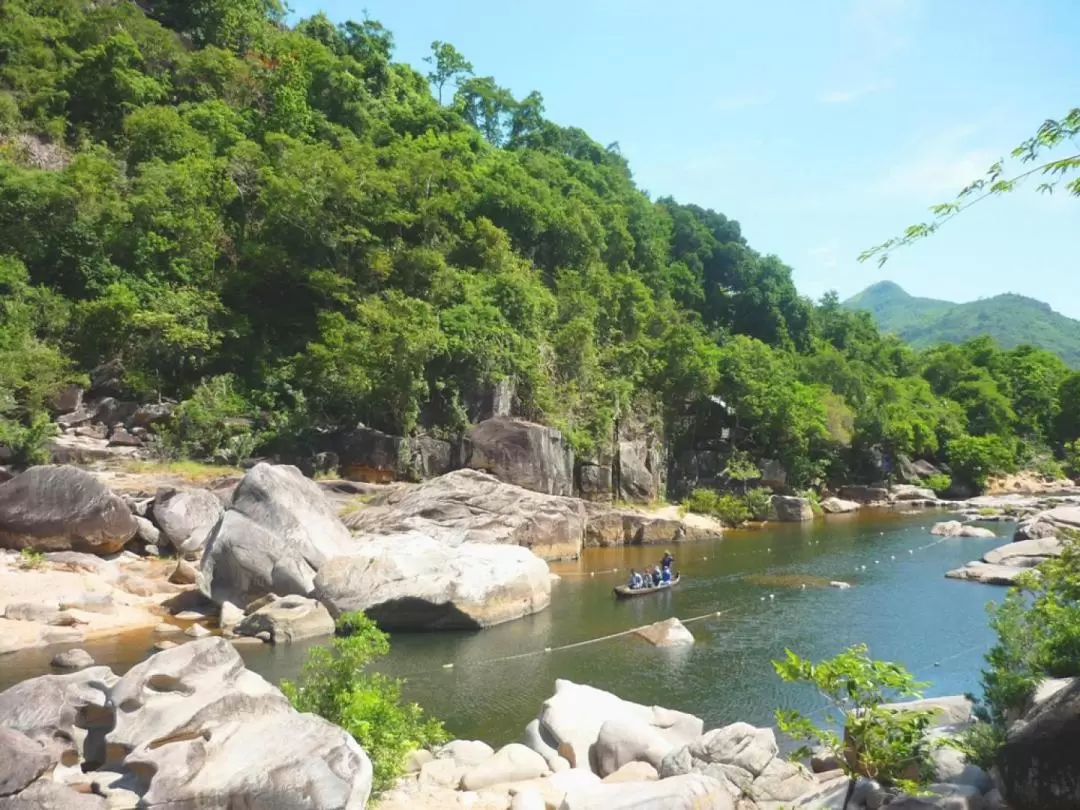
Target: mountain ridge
{"points": [[1010, 318]]}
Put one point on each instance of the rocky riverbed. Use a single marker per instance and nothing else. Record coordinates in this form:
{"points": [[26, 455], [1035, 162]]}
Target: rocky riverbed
{"points": [[192, 727]]}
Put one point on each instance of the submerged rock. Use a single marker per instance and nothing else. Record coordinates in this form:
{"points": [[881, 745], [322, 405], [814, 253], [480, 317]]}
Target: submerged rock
{"points": [[72, 659], [668, 633], [412, 581], [56, 508]]}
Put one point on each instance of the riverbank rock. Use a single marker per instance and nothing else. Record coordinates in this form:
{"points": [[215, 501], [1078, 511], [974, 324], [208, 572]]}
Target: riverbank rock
{"points": [[412, 581], [790, 509], [689, 792], [528, 455], [243, 561], [1037, 764], [954, 528], [22, 762], [194, 728], [1034, 528], [186, 517], [282, 501], [838, 506], [607, 526], [471, 506], [1002, 565], [571, 720], [288, 619], [56, 508], [369, 455], [668, 633], [511, 763], [863, 494], [909, 492]]}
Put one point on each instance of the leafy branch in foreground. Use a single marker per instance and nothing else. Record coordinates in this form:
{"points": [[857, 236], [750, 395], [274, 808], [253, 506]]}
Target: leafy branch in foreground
{"points": [[878, 742], [368, 705], [1054, 172]]}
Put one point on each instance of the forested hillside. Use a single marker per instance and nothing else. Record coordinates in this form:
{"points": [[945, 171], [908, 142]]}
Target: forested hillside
{"points": [[291, 232], [1012, 320]]}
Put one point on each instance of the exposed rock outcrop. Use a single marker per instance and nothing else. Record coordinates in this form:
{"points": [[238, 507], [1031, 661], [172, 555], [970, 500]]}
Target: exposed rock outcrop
{"points": [[522, 453], [863, 494], [790, 509], [1004, 564], [954, 528], [471, 506], [838, 506], [288, 619], [412, 581], [1037, 764], [369, 455], [57, 508]]}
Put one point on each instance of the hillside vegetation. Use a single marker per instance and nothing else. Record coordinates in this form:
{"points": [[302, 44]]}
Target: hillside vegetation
{"points": [[290, 232], [1012, 320]]}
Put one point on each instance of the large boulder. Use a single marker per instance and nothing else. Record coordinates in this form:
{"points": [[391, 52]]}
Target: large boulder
{"points": [[986, 574], [838, 506], [191, 727], [57, 508], [45, 794], [288, 619], [511, 763], [864, 494], [594, 481], [369, 455], [954, 528], [281, 500], [186, 517], [790, 509], [23, 761], [689, 792], [1025, 553], [1038, 762], [243, 561], [523, 453], [1035, 528], [412, 581], [471, 506], [909, 492], [53, 709], [667, 633], [571, 720]]}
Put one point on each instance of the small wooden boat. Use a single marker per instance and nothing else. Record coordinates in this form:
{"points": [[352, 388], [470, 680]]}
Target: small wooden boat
{"points": [[625, 591]]}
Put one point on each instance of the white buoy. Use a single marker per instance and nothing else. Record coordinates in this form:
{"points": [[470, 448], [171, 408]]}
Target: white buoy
{"points": [[547, 649], [892, 556], [804, 586], [877, 562], [772, 595], [881, 533], [910, 551], [763, 599], [447, 666], [592, 573]]}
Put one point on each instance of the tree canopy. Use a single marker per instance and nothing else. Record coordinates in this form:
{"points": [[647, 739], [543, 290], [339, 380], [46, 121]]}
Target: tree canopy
{"points": [[284, 223]]}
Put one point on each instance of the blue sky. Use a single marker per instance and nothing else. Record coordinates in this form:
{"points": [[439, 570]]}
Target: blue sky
{"points": [[824, 127]]}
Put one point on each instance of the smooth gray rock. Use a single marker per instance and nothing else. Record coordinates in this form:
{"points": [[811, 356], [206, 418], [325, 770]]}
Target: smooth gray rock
{"points": [[908, 492], [471, 506], [525, 454], [413, 581], [1025, 553], [667, 633], [838, 506], [22, 760], [285, 503], [572, 718], [511, 763], [790, 509], [243, 561], [954, 528], [147, 531], [864, 494], [72, 659], [58, 508], [688, 792], [366, 454], [186, 517], [45, 794], [636, 477], [986, 573], [291, 618]]}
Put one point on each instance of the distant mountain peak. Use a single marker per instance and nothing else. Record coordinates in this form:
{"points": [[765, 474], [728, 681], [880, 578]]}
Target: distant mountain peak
{"points": [[1010, 318]]}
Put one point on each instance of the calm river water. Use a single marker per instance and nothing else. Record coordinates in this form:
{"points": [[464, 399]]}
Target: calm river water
{"points": [[899, 603]]}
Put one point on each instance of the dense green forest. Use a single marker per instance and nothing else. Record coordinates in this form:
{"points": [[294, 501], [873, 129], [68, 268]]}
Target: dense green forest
{"points": [[1012, 320], [284, 224]]}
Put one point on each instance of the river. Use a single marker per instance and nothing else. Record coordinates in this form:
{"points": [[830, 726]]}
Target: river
{"points": [[899, 603]]}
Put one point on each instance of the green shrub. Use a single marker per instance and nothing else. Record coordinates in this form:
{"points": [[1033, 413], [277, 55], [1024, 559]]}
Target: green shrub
{"points": [[1072, 458], [1050, 467], [815, 501], [981, 742], [731, 510], [213, 424], [28, 444], [29, 559], [939, 482], [368, 705], [1038, 633], [703, 501], [758, 501], [886, 745], [974, 459]]}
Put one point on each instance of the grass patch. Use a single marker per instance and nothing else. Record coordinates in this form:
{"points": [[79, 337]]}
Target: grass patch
{"points": [[30, 560], [193, 471]]}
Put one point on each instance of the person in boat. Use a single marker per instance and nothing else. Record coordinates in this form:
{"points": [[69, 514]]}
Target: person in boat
{"points": [[635, 580], [665, 575], [667, 561], [656, 575]]}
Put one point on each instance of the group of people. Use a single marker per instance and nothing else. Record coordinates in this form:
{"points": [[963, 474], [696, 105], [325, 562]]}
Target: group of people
{"points": [[660, 574]]}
